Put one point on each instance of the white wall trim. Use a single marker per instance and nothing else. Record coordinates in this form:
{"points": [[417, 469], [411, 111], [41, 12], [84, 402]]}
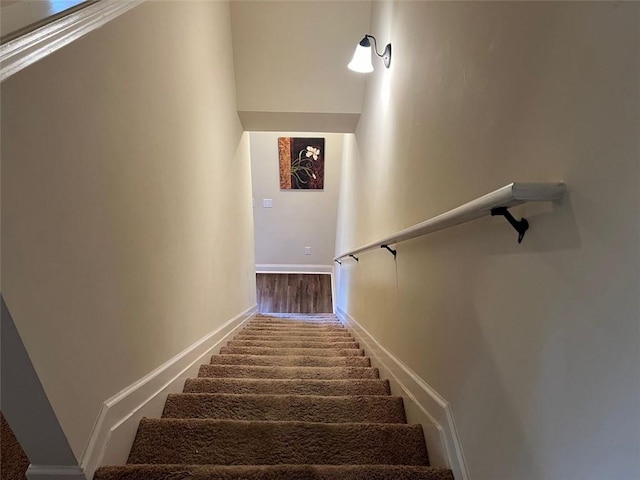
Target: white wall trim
{"points": [[293, 268], [421, 401], [42, 42], [57, 472], [117, 422], [334, 298]]}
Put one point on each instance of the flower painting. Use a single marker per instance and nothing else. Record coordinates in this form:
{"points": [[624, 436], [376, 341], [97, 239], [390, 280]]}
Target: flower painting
{"points": [[301, 163]]}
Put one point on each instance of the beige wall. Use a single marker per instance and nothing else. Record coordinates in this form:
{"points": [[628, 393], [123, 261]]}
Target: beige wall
{"points": [[536, 346], [290, 57], [126, 206], [298, 218]]}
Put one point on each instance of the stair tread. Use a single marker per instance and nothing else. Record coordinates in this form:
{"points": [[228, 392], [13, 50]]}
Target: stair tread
{"points": [[306, 408], [295, 315], [297, 333], [299, 326], [295, 320], [272, 472], [293, 338], [322, 352], [285, 386], [300, 331], [291, 344], [260, 371], [296, 323], [290, 360], [237, 442], [309, 321]]}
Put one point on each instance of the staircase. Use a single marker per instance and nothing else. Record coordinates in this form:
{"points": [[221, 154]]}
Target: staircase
{"points": [[289, 398]]}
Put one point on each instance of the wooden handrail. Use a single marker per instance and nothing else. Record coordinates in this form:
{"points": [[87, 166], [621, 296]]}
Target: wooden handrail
{"points": [[494, 203]]}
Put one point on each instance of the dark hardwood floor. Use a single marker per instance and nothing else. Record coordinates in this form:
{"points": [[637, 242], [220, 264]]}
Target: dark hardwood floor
{"points": [[294, 293]]}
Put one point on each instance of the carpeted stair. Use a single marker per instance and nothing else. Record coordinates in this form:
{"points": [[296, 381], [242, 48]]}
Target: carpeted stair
{"points": [[289, 398], [13, 460]]}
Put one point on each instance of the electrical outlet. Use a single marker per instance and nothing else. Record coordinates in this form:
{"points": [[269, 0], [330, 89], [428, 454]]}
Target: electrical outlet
{"points": [[267, 203], [307, 250]]}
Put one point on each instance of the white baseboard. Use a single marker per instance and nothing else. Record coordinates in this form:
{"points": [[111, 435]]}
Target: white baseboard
{"points": [[117, 423], [291, 268], [55, 472], [422, 403]]}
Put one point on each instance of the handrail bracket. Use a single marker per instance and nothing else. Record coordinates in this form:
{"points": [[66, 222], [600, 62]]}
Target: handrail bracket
{"points": [[391, 250], [338, 261], [521, 226], [354, 257]]}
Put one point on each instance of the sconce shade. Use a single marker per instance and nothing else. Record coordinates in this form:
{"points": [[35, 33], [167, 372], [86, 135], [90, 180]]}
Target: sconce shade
{"points": [[361, 61]]}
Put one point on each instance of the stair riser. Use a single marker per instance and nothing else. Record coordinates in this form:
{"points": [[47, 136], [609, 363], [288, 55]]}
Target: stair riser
{"points": [[332, 332], [318, 373], [284, 387], [268, 443], [297, 316], [337, 332], [290, 361], [319, 352], [291, 338], [297, 333], [301, 408], [275, 472], [308, 328], [296, 321], [287, 344]]}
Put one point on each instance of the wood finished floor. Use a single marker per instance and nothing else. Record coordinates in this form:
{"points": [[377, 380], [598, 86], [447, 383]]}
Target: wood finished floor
{"points": [[294, 293]]}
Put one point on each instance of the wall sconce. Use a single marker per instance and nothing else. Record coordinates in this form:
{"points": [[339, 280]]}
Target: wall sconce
{"points": [[361, 61]]}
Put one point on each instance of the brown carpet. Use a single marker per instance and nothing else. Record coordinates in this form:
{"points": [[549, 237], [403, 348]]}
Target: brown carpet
{"points": [[292, 338], [318, 373], [298, 332], [289, 398], [296, 327], [291, 344], [275, 472], [316, 352], [297, 408], [282, 387], [291, 361], [13, 461]]}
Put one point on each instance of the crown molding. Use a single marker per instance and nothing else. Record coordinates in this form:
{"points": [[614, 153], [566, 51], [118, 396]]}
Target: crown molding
{"points": [[34, 46]]}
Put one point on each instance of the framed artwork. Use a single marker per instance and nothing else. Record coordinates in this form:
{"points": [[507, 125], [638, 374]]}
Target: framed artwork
{"points": [[301, 163]]}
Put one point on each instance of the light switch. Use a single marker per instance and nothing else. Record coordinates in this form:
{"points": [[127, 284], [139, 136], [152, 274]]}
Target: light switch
{"points": [[267, 202], [307, 250]]}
